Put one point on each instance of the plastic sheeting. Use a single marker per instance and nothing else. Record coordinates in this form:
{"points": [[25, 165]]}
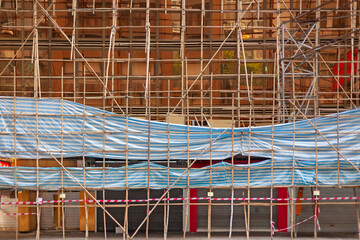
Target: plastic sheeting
{"points": [[71, 130], [115, 178]]}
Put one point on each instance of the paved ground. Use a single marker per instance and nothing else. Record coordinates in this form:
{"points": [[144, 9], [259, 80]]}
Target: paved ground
{"points": [[53, 235]]}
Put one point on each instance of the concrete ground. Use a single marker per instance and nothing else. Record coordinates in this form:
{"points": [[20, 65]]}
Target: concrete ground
{"points": [[75, 235]]}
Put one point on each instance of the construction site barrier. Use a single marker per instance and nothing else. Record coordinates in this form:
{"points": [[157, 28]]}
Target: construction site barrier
{"points": [[179, 199]]}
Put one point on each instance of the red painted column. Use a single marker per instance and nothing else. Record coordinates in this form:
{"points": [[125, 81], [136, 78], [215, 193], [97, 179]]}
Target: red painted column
{"points": [[193, 193], [193, 211], [282, 210]]}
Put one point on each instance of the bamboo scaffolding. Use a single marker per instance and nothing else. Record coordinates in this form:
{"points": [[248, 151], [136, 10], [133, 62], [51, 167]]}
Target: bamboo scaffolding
{"points": [[203, 64]]}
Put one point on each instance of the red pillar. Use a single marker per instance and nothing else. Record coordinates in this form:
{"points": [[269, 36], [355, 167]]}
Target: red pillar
{"points": [[282, 210], [193, 211]]}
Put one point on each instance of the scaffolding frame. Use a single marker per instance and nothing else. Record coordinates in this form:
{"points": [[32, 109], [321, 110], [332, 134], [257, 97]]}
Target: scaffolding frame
{"points": [[233, 63]]}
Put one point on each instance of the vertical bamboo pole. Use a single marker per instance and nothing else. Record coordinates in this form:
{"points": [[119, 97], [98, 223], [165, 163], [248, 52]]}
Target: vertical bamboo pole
{"points": [[338, 118], [35, 54], [316, 149], [278, 31], [62, 151], [293, 154], [232, 167], [148, 161], [210, 152], [210, 187], [148, 109], [167, 203], [250, 96], [182, 52], [126, 217], [187, 150], [35, 60], [316, 105], [15, 164], [238, 54], [202, 60], [72, 52], [37, 173], [272, 145], [115, 9], [83, 155], [353, 12], [184, 104], [103, 152], [245, 216], [279, 102]]}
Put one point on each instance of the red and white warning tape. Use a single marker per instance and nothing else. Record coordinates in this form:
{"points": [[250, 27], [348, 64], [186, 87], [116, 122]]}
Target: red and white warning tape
{"points": [[19, 214], [273, 230], [181, 199]]}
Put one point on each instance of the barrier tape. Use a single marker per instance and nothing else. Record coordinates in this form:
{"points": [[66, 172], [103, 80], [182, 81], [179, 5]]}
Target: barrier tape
{"points": [[181, 199], [19, 214], [273, 230]]}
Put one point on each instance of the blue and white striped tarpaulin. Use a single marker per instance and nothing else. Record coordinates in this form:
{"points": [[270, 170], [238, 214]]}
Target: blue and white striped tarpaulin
{"points": [[74, 130], [115, 178]]}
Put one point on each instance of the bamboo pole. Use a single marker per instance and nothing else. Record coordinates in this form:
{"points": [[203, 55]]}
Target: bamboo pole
{"points": [[15, 162], [246, 217], [73, 35], [338, 122], [83, 154], [202, 61], [103, 160], [293, 154], [37, 174], [62, 152], [238, 55], [210, 193], [272, 143], [148, 103], [126, 215], [232, 169], [249, 156], [167, 203], [188, 153]]}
